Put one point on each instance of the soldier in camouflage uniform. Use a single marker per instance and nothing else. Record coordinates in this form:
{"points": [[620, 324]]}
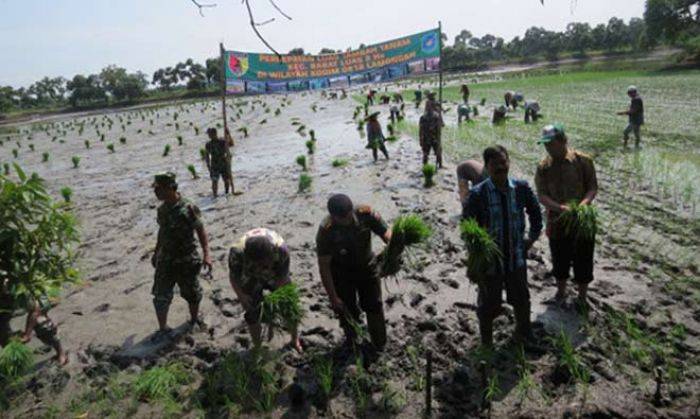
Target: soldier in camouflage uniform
{"points": [[430, 133], [218, 160], [38, 321], [176, 258], [344, 248], [259, 261], [375, 136]]}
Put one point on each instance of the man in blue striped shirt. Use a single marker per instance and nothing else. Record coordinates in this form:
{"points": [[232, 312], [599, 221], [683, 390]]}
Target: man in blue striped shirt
{"points": [[499, 204]]}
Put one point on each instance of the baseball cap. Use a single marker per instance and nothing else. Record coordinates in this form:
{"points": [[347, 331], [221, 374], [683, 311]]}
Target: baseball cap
{"points": [[550, 132]]}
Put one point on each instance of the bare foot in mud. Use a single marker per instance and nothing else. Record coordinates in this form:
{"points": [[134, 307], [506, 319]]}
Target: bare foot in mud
{"points": [[61, 359], [296, 345], [25, 338]]}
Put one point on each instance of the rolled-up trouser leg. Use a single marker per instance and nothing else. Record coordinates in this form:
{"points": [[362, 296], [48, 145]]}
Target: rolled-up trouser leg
{"points": [[47, 331]]}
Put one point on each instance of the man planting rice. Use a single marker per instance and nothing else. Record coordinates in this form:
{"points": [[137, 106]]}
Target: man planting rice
{"points": [[218, 160]]}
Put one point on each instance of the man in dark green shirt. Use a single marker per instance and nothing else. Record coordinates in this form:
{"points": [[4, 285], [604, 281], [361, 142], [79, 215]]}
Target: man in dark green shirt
{"points": [[344, 248], [635, 115]]}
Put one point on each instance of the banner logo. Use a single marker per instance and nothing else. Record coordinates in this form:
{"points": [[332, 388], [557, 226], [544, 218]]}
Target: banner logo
{"points": [[238, 64], [429, 42]]}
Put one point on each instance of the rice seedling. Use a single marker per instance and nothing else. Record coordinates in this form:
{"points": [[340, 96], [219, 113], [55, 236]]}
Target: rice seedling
{"points": [[16, 359], [301, 161], [45, 156], [196, 130], [15, 152], [180, 140], [166, 150], [569, 359], [110, 147], [102, 137], [393, 400], [408, 230], [193, 171], [310, 146], [305, 181], [66, 193], [475, 111], [429, 171], [340, 162], [392, 139], [87, 144], [323, 373], [483, 252], [122, 140], [360, 386], [281, 309], [580, 220], [76, 161], [160, 383], [177, 126], [492, 390], [483, 101], [312, 134], [278, 111], [203, 153], [243, 130], [264, 121], [31, 147]]}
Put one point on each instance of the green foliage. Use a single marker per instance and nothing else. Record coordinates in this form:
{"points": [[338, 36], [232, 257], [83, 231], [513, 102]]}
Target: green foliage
{"points": [[160, 383], [193, 171], [311, 146], [417, 376], [569, 359], [110, 147], [429, 171], [339, 162], [166, 150], [301, 161], [76, 161], [16, 359], [483, 252], [66, 193], [37, 238], [305, 181], [281, 309], [45, 156], [408, 230], [323, 373], [360, 385], [580, 220], [493, 389]]}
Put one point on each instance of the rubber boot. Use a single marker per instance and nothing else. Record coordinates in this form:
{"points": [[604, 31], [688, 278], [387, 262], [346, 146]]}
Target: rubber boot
{"points": [[377, 329]]}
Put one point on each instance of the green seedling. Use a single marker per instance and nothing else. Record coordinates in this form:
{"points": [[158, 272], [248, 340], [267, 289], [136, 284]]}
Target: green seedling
{"points": [[110, 147], [166, 150], [193, 171], [429, 171], [408, 230], [76, 161], [301, 161], [483, 252], [87, 144], [180, 140], [122, 140], [339, 162], [160, 383], [45, 156], [281, 309], [66, 193], [580, 220], [310, 146], [305, 181]]}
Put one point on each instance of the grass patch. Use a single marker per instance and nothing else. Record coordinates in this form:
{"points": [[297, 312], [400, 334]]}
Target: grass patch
{"points": [[16, 359]]}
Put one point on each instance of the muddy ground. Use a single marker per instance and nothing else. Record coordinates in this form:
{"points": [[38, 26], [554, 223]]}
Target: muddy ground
{"points": [[630, 336]]}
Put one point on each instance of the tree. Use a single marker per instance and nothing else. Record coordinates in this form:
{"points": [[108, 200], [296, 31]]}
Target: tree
{"points": [[672, 20], [463, 38], [8, 99], [327, 51], [86, 90], [213, 70], [36, 254], [296, 51], [121, 85], [598, 37], [615, 34], [578, 37]]}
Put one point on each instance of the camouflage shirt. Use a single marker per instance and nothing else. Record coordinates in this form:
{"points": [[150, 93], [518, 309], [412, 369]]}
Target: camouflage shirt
{"points": [[350, 246], [564, 181], [253, 279], [220, 155], [430, 128], [176, 234]]}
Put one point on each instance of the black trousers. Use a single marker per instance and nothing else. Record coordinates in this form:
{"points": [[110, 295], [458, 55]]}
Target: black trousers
{"points": [[353, 285], [568, 252]]}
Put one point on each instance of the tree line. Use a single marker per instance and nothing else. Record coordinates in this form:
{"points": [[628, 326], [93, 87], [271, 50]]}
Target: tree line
{"points": [[669, 22]]}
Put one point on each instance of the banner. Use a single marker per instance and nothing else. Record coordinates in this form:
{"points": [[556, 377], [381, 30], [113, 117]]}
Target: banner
{"points": [[259, 73]]}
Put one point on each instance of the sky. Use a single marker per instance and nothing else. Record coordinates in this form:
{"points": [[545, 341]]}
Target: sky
{"points": [[66, 37]]}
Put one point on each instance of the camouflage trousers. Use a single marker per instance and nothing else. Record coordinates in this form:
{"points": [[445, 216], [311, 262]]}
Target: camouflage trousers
{"points": [[45, 329], [185, 275]]}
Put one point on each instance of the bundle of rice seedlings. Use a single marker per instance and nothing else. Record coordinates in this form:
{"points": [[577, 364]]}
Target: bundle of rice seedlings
{"points": [[110, 147], [408, 230], [180, 140], [483, 252], [281, 309], [31, 147], [580, 220], [304, 182], [314, 107], [196, 130], [166, 150], [177, 126], [429, 171], [15, 152], [360, 125], [193, 171], [312, 134], [202, 153], [323, 372], [390, 129], [15, 360], [483, 101], [339, 162], [122, 140], [278, 111], [475, 111], [76, 161], [301, 161], [311, 146], [45, 156], [244, 130], [66, 193], [264, 121], [87, 144], [102, 137]]}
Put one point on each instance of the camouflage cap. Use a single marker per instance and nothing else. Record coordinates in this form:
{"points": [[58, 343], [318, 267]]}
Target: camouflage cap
{"points": [[550, 132], [165, 179]]}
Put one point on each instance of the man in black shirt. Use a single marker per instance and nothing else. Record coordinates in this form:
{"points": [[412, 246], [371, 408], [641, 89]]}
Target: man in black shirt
{"points": [[635, 114]]}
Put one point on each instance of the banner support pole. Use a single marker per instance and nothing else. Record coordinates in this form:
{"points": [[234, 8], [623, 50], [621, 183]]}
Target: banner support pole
{"points": [[223, 84], [440, 66]]}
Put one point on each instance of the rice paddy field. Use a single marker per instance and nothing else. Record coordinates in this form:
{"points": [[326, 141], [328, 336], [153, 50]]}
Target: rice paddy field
{"points": [[636, 353]]}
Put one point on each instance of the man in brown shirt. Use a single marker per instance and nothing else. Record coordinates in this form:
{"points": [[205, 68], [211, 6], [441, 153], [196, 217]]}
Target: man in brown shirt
{"points": [[344, 248], [566, 175]]}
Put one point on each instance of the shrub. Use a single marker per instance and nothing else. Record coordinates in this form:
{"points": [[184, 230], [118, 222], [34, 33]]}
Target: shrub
{"points": [[166, 150], [304, 182], [16, 359], [429, 171], [482, 249], [66, 193], [311, 146], [76, 161], [301, 161], [339, 162]]}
